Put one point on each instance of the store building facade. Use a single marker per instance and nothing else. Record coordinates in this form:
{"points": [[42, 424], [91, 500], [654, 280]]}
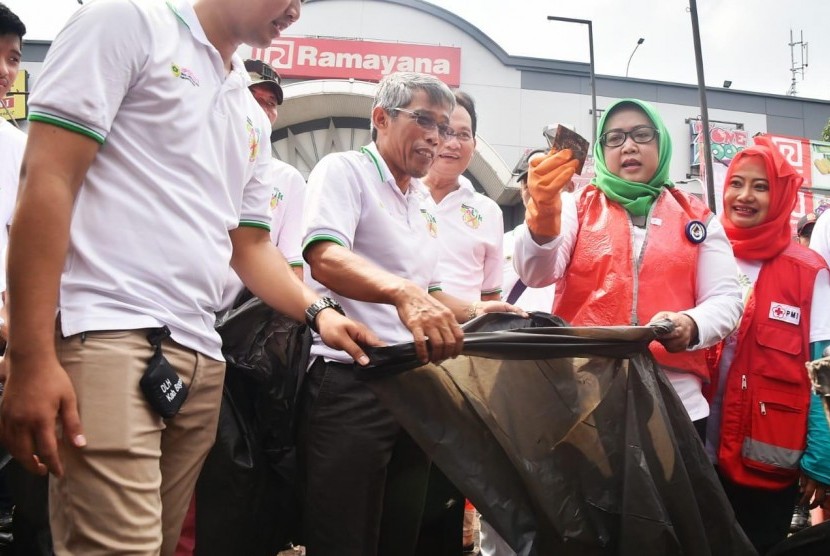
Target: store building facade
{"points": [[340, 48]]}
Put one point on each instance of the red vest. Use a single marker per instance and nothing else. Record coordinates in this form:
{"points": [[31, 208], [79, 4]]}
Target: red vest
{"points": [[605, 286], [766, 399]]}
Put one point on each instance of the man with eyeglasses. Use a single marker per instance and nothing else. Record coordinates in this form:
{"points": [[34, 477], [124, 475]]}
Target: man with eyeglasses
{"points": [[631, 248], [471, 223], [372, 246]]}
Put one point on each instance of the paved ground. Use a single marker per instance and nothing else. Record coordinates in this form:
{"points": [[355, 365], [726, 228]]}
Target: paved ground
{"points": [[300, 551], [297, 551]]}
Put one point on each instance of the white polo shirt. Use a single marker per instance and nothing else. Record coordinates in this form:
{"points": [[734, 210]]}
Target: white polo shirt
{"points": [[286, 207], [353, 200], [184, 149], [471, 231], [820, 240], [12, 145]]}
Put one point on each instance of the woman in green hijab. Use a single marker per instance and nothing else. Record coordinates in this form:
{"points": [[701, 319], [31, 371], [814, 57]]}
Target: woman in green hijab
{"points": [[630, 248], [633, 181]]}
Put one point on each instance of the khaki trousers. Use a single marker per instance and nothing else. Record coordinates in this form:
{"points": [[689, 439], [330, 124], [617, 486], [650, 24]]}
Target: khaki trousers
{"points": [[127, 491]]}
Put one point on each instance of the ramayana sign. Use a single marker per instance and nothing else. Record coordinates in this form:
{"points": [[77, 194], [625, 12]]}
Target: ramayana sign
{"points": [[306, 58]]}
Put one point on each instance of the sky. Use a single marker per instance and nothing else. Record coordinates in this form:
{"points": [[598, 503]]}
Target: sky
{"points": [[743, 41]]}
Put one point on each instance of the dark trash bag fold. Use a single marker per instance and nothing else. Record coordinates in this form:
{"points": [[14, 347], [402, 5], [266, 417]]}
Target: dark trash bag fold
{"points": [[568, 441], [246, 497]]}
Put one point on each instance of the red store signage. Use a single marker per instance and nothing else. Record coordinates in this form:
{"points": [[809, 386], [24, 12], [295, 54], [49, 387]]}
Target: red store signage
{"points": [[305, 58], [797, 152]]}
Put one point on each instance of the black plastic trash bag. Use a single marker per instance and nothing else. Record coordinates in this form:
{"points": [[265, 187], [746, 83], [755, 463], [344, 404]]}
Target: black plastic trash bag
{"points": [[810, 541], [562, 448], [246, 496]]}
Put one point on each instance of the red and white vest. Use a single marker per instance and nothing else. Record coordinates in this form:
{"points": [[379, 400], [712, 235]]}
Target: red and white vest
{"points": [[604, 284], [766, 399]]}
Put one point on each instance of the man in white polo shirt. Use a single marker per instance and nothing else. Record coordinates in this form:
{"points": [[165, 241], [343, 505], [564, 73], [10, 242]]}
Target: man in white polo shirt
{"points": [[286, 182], [142, 181], [471, 224], [12, 143], [372, 245]]}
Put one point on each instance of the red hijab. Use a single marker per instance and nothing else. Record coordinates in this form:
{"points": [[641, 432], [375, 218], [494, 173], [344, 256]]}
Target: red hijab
{"points": [[768, 239]]}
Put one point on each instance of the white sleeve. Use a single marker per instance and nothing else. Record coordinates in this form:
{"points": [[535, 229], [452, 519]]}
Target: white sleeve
{"points": [[3, 270], [509, 276], [542, 265], [91, 65], [256, 195], [494, 254], [12, 145], [286, 224], [819, 312], [820, 240], [333, 202], [718, 295]]}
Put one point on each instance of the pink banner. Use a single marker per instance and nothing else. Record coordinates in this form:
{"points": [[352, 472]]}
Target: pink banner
{"points": [[305, 58]]}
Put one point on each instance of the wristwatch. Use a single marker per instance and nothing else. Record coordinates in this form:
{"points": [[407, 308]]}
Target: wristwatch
{"points": [[315, 308]]}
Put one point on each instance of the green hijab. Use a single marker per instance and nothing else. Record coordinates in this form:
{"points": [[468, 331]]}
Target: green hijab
{"points": [[635, 197]]}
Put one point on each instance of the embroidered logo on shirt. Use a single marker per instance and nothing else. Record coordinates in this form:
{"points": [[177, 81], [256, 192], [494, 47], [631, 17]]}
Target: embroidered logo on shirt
{"points": [[253, 140], [471, 216], [784, 313], [184, 73], [432, 224], [276, 197]]}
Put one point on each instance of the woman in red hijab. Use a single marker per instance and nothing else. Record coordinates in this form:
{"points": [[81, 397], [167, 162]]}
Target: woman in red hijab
{"points": [[761, 433]]}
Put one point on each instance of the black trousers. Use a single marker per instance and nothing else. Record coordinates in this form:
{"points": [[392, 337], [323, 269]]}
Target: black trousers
{"points": [[365, 478], [443, 521], [30, 493], [764, 515]]}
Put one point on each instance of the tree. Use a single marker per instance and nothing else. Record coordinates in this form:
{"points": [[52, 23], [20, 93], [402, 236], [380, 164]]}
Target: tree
{"points": [[826, 133]]}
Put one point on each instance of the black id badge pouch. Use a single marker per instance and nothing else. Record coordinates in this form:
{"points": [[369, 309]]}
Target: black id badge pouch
{"points": [[161, 385]]}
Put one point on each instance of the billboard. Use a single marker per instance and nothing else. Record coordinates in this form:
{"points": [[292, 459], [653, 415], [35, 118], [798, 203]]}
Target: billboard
{"points": [[15, 101], [726, 139], [811, 159], [309, 58], [808, 158]]}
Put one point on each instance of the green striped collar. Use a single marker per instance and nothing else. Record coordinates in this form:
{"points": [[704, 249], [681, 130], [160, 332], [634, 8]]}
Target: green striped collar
{"points": [[371, 152]]}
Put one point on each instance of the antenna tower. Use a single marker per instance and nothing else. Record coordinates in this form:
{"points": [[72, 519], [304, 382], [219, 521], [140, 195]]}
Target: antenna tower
{"points": [[797, 68]]}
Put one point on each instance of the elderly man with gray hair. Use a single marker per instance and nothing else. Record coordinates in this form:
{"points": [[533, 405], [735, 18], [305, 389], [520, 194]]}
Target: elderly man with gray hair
{"points": [[372, 248]]}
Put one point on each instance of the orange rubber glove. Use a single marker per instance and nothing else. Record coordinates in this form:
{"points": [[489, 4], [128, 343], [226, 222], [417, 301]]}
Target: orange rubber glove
{"points": [[546, 178]]}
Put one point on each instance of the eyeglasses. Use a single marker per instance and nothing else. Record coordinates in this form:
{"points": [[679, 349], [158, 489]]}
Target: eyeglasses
{"points": [[640, 134], [462, 136], [428, 123]]}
